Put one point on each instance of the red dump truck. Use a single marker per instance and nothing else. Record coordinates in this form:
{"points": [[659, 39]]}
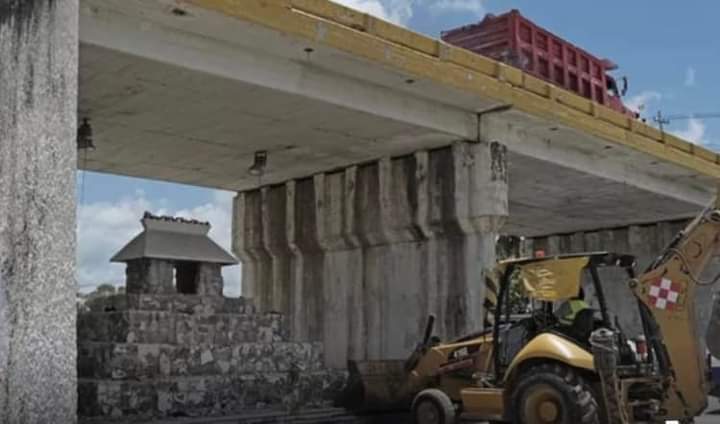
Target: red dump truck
{"points": [[513, 39]]}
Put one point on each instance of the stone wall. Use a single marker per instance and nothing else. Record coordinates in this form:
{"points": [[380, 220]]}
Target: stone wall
{"points": [[358, 258], [160, 355], [38, 106]]}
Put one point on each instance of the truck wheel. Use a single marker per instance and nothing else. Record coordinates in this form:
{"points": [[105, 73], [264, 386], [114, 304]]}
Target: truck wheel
{"points": [[432, 406], [553, 394]]}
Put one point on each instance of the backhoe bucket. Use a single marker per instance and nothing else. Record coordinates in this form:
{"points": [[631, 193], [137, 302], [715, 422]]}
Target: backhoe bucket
{"points": [[376, 386]]}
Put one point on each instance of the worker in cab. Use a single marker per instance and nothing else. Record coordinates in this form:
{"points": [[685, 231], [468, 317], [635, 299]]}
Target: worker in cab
{"points": [[570, 309]]}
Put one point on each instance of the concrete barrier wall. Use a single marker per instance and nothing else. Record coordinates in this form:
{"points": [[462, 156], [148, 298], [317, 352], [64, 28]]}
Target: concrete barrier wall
{"points": [[359, 257]]}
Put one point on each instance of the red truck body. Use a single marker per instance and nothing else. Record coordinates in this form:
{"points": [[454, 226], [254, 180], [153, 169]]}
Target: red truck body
{"points": [[515, 40]]}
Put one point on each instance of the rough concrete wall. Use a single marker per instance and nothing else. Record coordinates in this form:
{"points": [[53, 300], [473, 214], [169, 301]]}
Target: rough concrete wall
{"points": [[160, 355], [645, 242], [38, 95], [358, 258]]}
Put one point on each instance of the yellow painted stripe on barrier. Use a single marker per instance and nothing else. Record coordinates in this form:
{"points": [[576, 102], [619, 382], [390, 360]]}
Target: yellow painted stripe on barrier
{"points": [[395, 34], [333, 12], [536, 86], [609, 115], [468, 59], [419, 56]]}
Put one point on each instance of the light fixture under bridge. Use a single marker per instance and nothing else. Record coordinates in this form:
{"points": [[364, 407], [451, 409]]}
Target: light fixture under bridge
{"points": [[257, 169]]}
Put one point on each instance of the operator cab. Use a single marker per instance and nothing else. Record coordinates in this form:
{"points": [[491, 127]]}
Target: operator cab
{"points": [[535, 295]]}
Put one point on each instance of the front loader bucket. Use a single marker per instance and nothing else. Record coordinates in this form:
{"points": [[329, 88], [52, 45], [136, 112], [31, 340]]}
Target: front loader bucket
{"points": [[376, 386]]}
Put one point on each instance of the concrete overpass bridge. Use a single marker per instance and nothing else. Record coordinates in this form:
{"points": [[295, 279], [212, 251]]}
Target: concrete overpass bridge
{"points": [[394, 161]]}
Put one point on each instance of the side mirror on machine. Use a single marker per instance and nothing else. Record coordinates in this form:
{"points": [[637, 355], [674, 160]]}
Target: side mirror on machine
{"points": [[624, 89]]}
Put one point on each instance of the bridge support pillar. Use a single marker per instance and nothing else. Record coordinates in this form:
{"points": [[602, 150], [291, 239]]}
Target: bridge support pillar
{"points": [[38, 106], [359, 257]]}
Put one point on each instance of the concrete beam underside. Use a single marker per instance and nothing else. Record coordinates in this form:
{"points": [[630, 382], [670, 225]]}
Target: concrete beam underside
{"points": [[358, 258], [146, 80], [38, 103]]}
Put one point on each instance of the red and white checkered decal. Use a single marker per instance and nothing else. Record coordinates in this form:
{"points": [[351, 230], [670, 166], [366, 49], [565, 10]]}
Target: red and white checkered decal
{"points": [[665, 294]]}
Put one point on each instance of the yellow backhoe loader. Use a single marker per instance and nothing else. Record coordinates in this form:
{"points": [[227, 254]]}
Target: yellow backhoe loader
{"points": [[530, 367]]}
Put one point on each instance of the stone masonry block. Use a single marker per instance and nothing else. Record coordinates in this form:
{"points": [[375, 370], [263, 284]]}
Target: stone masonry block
{"points": [[184, 329], [110, 398], [205, 329], [187, 304], [139, 399], [150, 327], [180, 360], [102, 327], [238, 305], [88, 405], [222, 330], [148, 302], [209, 279]]}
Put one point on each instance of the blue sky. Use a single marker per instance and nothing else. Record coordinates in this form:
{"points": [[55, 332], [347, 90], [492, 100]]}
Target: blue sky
{"points": [[667, 49]]}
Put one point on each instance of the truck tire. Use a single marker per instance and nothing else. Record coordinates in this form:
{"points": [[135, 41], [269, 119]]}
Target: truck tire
{"points": [[551, 393], [432, 406]]}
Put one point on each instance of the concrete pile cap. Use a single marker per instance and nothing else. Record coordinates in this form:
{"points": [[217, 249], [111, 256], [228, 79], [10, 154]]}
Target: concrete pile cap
{"points": [[174, 238]]}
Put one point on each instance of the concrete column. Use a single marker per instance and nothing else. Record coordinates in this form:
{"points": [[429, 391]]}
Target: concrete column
{"points": [[359, 257], [38, 104], [643, 241]]}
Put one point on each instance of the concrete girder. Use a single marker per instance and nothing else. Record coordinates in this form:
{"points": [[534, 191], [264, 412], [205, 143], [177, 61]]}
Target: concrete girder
{"points": [[189, 96], [294, 74], [558, 145]]}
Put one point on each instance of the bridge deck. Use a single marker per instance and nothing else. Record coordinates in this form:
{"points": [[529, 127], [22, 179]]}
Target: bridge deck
{"points": [[186, 91]]}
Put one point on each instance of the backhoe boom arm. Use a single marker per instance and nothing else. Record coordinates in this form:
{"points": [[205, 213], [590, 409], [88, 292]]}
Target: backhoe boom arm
{"points": [[666, 291]]}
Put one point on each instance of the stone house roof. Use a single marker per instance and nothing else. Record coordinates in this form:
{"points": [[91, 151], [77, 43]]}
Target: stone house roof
{"points": [[173, 238]]}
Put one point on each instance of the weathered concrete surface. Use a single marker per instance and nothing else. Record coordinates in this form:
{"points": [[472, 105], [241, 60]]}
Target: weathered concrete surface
{"points": [[643, 241], [188, 92], [38, 96], [358, 258]]}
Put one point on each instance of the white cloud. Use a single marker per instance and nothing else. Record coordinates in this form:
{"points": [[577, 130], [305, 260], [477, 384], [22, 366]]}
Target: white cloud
{"points": [[690, 77], [105, 227], [372, 7], [401, 11], [476, 7], [398, 11], [642, 101], [695, 132]]}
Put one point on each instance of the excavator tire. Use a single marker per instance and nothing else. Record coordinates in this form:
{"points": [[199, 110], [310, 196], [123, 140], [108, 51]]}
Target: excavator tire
{"points": [[432, 406], [552, 393]]}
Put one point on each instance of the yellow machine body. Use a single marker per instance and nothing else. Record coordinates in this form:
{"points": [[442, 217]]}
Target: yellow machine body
{"points": [[464, 369]]}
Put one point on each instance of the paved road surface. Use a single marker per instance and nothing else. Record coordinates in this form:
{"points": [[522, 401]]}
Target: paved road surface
{"points": [[337, 416]]}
